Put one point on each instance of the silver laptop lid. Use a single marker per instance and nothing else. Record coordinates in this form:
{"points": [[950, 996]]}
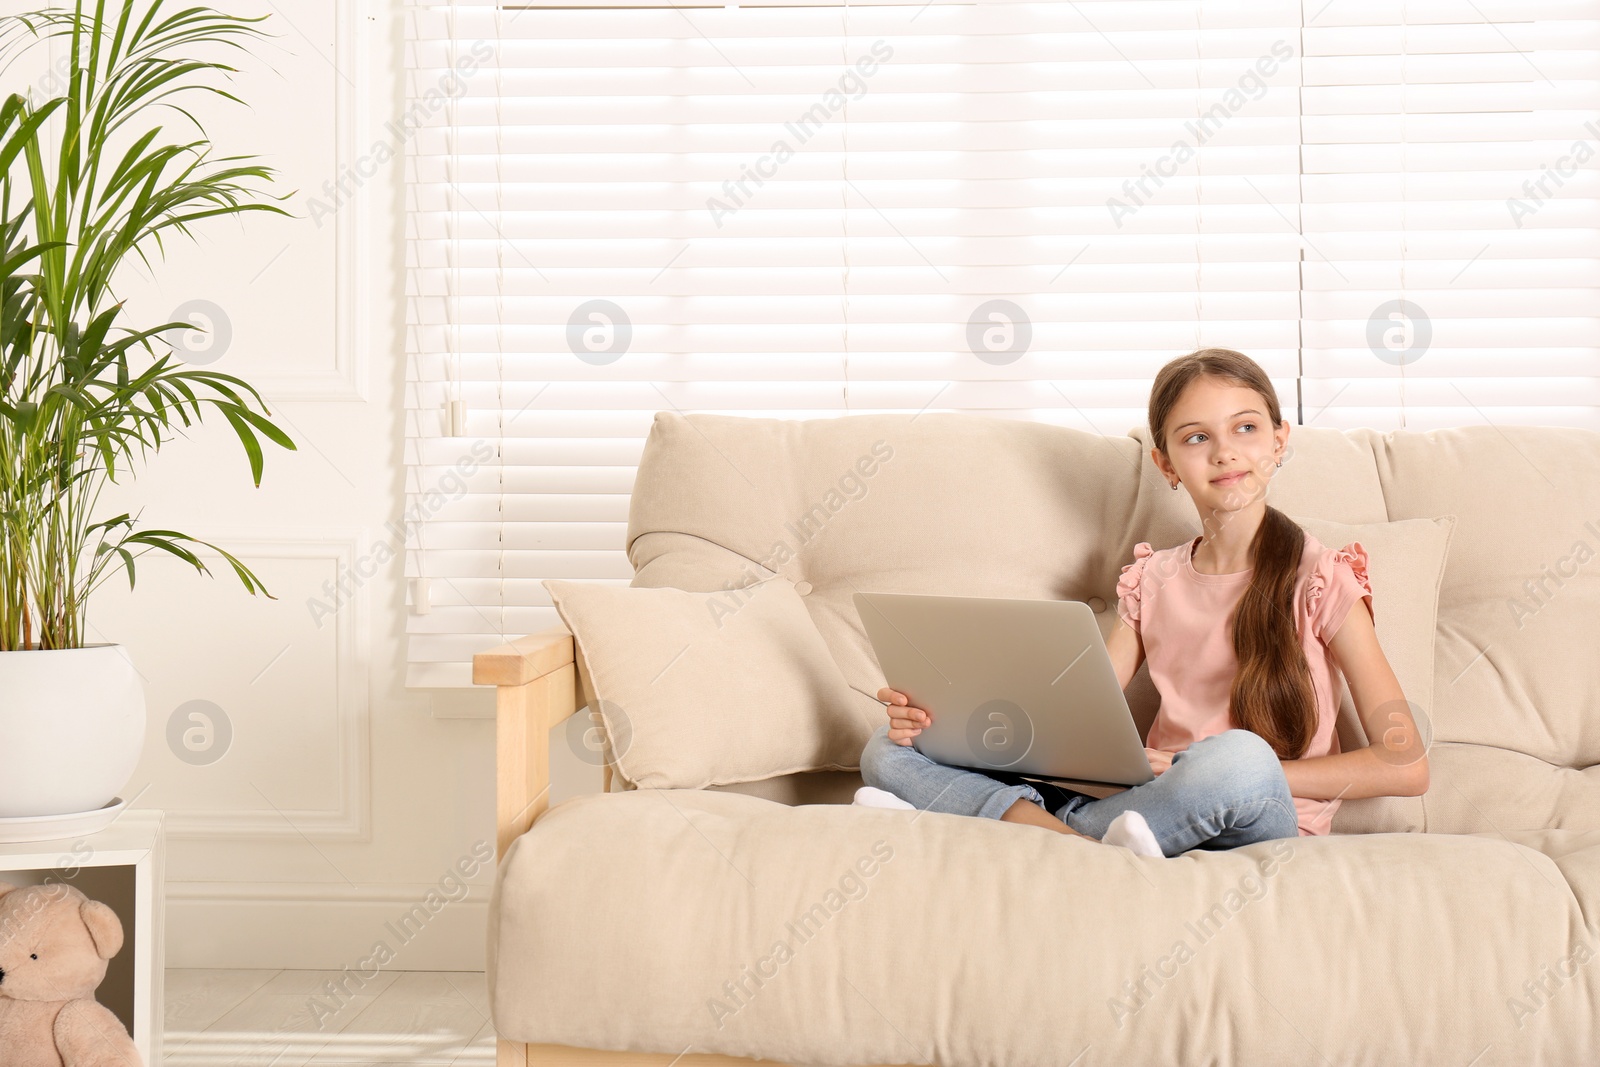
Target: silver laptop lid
{"points": [[1025, 686]]}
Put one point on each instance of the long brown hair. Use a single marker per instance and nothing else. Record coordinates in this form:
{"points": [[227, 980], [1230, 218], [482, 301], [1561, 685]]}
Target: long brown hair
{"points": [[1272, 695]]}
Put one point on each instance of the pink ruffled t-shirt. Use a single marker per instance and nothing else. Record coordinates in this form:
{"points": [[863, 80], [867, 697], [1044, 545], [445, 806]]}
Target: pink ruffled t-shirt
{"points": [[1182, 617]]}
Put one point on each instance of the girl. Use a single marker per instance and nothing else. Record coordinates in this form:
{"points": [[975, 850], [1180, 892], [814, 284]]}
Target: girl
{"points": [[1247, 628]]}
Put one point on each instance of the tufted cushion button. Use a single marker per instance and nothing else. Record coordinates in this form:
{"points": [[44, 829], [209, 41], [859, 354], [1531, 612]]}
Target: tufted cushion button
{"points": [[1096, 604], [802, 588]]}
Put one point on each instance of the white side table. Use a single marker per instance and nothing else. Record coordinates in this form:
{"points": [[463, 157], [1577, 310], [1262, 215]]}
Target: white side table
{"points": [[121, 866]]}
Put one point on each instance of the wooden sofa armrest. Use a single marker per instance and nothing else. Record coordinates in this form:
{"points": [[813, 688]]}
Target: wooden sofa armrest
{"points": [[537, 687]]}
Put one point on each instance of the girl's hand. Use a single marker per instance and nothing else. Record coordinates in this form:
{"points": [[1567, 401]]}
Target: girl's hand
{"points": [[906, 720], [1160, 759]]}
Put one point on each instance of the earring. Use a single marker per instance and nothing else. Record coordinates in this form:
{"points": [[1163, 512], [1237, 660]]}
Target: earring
{"points": [[1175, 484], [1280, 462]]}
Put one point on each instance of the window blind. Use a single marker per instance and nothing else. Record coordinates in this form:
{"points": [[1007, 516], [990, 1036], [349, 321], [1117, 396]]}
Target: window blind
{"points": [[1450, 203], [1016, 209]]}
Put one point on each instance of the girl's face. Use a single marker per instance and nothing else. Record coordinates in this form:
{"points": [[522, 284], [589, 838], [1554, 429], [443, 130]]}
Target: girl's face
{"points": [[1222, 430]]}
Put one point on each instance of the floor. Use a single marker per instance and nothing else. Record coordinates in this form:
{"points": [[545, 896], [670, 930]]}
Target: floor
{"points": [[257, 1018]]}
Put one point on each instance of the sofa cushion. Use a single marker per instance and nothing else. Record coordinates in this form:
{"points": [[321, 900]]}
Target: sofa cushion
{"points": [[1406, 561], [701, 921], [1516, 676], [698, 689]]}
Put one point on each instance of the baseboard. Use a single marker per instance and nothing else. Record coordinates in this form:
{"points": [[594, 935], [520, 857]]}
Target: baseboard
{"points": [[325, 927]]}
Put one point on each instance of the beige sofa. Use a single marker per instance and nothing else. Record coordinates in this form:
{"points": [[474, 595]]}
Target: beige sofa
{"points": [[1458, 927]]}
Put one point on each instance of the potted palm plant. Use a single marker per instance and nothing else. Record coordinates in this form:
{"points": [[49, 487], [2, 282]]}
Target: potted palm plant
{"points": [[88, 178]]}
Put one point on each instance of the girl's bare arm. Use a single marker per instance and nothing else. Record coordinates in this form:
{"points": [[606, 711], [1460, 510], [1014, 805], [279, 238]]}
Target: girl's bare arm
{"points": [[1395, 761], [1127, 651]]}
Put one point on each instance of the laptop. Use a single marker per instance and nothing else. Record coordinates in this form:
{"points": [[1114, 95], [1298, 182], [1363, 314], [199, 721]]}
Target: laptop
{"points": [[1023, 686]]}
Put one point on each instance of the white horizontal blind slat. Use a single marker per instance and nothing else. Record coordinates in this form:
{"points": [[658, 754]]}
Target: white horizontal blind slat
{"points": [[1140, 178], [1429, 132]]}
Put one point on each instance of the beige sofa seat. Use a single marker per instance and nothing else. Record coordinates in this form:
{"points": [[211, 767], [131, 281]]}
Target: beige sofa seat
{"points": [[651, 920]]}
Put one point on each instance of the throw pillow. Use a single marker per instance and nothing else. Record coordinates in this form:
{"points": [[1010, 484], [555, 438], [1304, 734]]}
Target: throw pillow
{"points": [[710, 688]]}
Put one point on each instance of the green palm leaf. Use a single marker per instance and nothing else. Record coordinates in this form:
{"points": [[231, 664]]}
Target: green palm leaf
{"points": [[82, 395]]}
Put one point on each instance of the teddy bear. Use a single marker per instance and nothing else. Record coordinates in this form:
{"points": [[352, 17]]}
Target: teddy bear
{"points": [[54, 944]]}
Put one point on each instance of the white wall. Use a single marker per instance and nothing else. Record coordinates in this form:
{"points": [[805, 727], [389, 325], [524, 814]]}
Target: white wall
{"points": [[341, 799]]}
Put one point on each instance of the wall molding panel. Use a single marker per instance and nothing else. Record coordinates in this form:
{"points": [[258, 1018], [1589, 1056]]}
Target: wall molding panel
{"points": [[352, 819]]}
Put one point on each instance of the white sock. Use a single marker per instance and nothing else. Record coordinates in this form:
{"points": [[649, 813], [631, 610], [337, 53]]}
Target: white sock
{"points": [[873, 797], [1131, 832]]}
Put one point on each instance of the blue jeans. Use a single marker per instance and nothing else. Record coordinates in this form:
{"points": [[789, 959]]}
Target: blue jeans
{"points": [[1222, 791]]}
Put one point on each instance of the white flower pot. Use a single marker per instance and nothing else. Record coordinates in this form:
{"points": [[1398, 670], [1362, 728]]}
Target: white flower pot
{"points": [[72, 727]]}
